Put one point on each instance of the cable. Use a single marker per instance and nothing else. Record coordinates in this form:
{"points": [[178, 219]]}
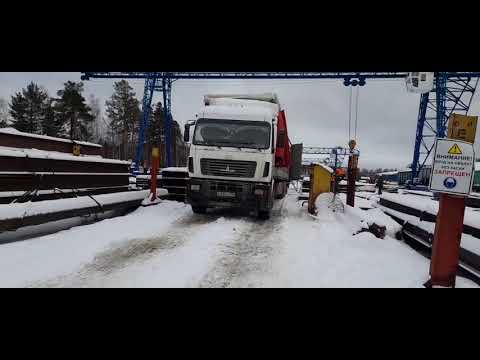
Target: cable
{"points": [[356, 112], [350, 114], [98, 204]]}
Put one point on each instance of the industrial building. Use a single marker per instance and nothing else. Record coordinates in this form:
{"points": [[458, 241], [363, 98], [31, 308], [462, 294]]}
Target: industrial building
{"points": [[476, 179], [423, 176], [390, 176]]}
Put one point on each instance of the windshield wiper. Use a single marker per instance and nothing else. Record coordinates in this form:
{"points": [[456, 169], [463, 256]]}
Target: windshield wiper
{"points": [[216, 143], [220, 143], [247, 143], [257, 146]]}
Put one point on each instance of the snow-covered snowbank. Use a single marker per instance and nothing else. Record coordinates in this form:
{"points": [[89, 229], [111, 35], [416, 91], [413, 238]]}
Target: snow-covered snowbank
{"points": [[354, 217], [326, 254], [422, 203], [14, 211], [468, 242], [362, 202], [13, 131], [57, 255], [53, 155]]}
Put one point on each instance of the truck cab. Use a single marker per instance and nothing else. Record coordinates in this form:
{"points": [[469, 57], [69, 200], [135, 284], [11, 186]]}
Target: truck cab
{"points": [[233, 154]]}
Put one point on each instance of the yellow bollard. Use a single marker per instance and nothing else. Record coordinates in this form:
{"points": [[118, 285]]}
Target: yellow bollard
{"points": [[320, 182]]}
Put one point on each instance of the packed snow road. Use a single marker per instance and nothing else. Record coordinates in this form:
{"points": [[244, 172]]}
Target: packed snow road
{"points": [[223, 248], [169, 246]]}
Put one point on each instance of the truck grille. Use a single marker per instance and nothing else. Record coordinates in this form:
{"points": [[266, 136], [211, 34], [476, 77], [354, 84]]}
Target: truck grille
{"points": [[229, 168]]}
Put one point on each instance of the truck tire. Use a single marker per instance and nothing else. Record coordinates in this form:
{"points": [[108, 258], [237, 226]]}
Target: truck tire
{"points": [[264, 214], [199, 209], [280, 190], [280, 196]]}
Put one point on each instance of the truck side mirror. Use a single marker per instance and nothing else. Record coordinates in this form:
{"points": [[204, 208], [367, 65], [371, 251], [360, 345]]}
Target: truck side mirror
{"points": [[186, 134]]}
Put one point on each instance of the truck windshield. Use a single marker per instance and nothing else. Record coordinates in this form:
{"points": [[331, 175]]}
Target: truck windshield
{"points": [[232, 133]]}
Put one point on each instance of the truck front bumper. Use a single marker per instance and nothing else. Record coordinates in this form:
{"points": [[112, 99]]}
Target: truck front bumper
{"points": [[218, 193]]}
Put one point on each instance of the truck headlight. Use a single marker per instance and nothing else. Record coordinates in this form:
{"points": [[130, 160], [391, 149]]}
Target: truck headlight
{"points": [[190, 164], [259, 192], [266, 169], [195, 187]]}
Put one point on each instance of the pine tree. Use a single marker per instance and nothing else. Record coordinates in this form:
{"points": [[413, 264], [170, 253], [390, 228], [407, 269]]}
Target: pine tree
{"points": [[123, 110], [51, 125], [72, 112], [157, 126], [179, 146], [27, 109]]}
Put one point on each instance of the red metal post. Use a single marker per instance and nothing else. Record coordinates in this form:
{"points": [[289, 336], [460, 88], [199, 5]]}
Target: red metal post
{"points": [[446, 243], [154, 173], [451, 212]]}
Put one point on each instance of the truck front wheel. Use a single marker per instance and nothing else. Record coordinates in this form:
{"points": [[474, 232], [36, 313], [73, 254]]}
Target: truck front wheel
{"points": [[280, 190], [199, 209], [264, 214]]}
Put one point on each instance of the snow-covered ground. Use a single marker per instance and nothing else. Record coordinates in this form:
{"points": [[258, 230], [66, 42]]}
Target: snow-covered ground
{"points": [[472, 216], [361, 202], [169, 246], [468, 242]]}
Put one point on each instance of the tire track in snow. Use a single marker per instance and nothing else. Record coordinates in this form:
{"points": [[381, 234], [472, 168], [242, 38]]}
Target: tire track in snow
{"points": [[249, 259], [132, 251]]}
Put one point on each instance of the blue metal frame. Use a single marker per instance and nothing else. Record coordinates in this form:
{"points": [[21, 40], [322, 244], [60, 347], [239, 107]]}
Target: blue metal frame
{"points": [[314, 150], [339, 152], [250, 75], [264, 75], [150, 82], [419, 139], [167, 106], [453, 92]]}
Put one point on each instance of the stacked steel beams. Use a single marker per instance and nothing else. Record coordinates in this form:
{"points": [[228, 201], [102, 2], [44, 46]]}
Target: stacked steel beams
{"points": [[46, 166]]}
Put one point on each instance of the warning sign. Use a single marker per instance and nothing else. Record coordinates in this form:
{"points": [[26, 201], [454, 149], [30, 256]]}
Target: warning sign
{"points": [[455, 150], [453, 167]]}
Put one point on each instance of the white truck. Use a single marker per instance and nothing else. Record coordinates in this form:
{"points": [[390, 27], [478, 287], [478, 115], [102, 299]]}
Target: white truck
{"points": [[240, 154]]}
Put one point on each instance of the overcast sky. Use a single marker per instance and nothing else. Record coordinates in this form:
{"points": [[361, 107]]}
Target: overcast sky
{"points": [[317, 110]]}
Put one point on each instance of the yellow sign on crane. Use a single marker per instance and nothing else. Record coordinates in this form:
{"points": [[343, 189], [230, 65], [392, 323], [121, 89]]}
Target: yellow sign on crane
{"points": [[462, 127], [77, 149]]}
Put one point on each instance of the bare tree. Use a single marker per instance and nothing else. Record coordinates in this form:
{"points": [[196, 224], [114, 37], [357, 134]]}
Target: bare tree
{"points": [[98, 126], [4, 113]]}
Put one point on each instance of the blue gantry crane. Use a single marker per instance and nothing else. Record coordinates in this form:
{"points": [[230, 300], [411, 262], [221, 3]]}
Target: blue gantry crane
{"points": [[452, 92]]}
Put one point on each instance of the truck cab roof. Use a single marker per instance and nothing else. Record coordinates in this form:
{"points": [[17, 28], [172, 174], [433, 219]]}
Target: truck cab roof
{"points": [[238, 112], [266, 97]]}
